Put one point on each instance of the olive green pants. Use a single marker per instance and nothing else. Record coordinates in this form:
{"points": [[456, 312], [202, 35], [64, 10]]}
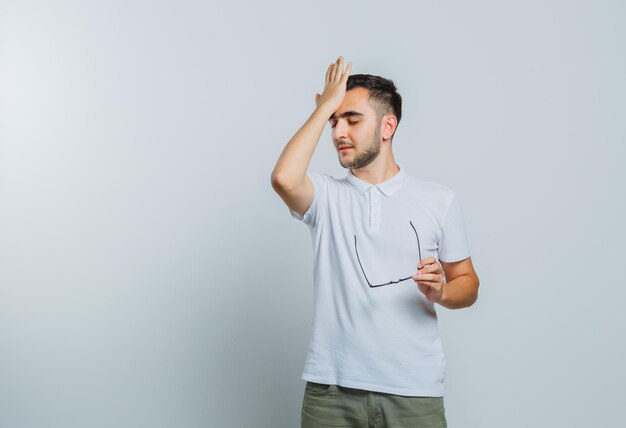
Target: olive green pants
{"points": [[337, 406]]}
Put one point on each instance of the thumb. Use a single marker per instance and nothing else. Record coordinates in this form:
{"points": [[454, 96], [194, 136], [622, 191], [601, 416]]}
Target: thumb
{"points": [[317, 97]]}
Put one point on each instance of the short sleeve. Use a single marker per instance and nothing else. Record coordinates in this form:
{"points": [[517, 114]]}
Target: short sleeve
{"points": [[319, 191], [454, 245]]}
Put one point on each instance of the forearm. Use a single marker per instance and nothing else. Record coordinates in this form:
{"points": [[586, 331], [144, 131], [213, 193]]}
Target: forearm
{"points": [[294, 160], [459, 293]]}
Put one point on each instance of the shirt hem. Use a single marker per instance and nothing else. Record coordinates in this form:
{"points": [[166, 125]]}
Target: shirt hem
{"points": [[407, 392]]}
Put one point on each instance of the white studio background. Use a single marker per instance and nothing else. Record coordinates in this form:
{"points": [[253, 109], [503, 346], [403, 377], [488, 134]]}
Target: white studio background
{"points": [[150, 276]]}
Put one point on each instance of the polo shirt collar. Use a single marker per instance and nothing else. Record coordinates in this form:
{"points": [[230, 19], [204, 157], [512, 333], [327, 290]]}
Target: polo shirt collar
{"points": [[388, 187]]}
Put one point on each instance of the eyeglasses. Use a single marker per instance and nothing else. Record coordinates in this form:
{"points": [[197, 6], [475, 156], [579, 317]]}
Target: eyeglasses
{"points": [[419, 252]]}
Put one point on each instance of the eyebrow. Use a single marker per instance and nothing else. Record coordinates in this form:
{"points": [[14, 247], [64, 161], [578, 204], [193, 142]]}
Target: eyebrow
{"points": [[346, 114]]}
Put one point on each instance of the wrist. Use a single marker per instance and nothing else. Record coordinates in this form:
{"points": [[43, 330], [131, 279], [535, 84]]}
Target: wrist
{"points": [[326, 110], [444, 295]]}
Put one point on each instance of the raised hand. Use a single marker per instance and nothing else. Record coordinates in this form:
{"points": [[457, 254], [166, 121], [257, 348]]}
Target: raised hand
{"points": [[334, 85]]}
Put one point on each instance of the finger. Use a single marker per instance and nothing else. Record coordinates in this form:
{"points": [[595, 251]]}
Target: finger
{"points": [[333, 71], [339, 72], [431, 268], [422, 288], [425, 269], [346, 73], [425, 262], [330, 68], [429, 286], [428, 277]]}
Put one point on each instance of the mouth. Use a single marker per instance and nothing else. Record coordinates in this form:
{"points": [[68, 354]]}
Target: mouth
{"points": [[344, 149]]}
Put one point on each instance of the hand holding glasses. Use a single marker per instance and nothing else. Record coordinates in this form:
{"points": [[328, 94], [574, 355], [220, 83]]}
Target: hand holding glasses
{"points": [[430, 279]]}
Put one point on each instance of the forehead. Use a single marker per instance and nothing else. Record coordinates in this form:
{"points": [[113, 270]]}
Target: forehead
{"points": [[356, 99]]}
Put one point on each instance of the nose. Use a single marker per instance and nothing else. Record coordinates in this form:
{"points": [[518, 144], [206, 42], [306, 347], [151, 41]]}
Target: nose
{"points": [[340, 131]]}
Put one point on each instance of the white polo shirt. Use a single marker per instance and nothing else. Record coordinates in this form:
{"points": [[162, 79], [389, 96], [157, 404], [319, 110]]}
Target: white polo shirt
{"points": [[373, 330]]}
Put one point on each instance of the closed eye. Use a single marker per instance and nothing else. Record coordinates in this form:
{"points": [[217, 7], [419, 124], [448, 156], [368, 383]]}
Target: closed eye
{"points": [[350, 122]]}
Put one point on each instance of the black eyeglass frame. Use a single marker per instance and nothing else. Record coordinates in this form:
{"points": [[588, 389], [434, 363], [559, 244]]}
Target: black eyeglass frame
{"points": [[419, 251]]}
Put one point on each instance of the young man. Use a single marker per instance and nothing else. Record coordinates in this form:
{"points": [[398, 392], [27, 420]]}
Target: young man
{"points": [[387, 248]]}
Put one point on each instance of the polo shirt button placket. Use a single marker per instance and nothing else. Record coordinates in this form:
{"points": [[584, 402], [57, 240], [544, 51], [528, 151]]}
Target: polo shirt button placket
{"points": [[374, 209]]}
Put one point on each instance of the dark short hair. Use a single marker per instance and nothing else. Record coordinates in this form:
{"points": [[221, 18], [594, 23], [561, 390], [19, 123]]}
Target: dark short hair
{"points": [[382, 92]]}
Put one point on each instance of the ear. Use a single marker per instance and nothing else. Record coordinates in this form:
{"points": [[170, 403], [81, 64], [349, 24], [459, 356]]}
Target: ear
{"points": [[389, 124]]}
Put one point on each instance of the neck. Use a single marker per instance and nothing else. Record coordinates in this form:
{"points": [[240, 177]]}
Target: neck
{"points": [[379, 170]]}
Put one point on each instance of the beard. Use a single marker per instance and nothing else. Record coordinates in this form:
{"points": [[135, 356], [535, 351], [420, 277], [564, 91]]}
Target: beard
{"points": [[366, 157]]}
